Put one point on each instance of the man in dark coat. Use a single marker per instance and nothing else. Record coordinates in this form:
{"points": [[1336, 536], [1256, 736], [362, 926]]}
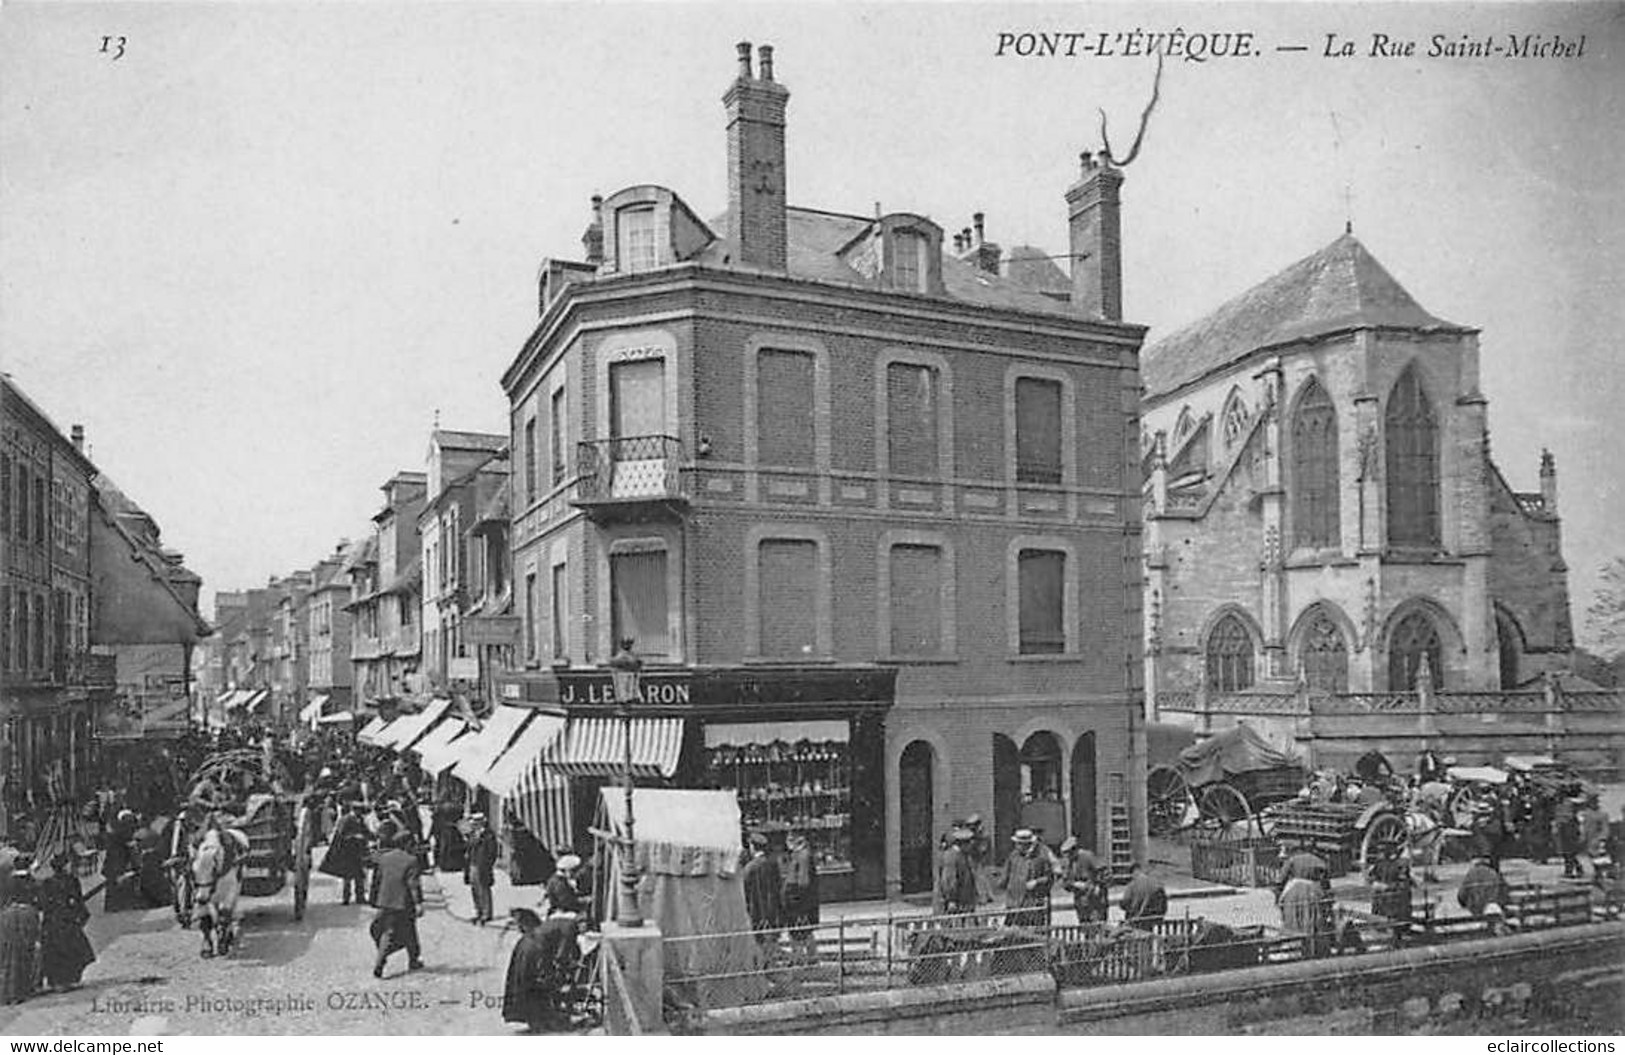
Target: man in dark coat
{"points": [[1087, 879], [65, 952], [763, 892], [800, 897], [1144, 899], [346, 857], [481, 870], [542, 965], [450, 849], [1028, 879], [1483, 893], [956, 875], [397, 892], [1566, 826]]}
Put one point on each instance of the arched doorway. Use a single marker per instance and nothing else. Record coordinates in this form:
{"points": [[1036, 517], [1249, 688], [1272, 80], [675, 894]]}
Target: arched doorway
{"points": [[918, 815], [1084, 823], [1042, 806], [1006, 794]]}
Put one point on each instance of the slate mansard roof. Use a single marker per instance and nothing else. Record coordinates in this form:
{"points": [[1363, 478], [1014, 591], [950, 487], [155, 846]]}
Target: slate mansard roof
{"points": [[1340, 288]]}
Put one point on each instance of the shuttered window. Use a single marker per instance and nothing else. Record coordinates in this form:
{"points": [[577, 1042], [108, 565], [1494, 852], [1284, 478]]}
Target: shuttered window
{"points": [[786, 434], [911, 420], [533, 629], [1042, 590], [787, 595], [561, 610], [1038, 431], [637, 584], [530, 460], [22, 503], [916, 601], [559, 436], [39, 509]]}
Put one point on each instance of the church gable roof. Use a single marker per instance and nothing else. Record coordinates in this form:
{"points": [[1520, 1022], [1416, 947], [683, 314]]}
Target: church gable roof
{"points": [[1342, 287]]}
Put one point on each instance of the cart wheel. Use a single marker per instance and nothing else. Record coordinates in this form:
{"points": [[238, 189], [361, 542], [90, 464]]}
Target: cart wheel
{"points": [[1459, 806], [1225, 812], [1385, 830], [1167, 799]]}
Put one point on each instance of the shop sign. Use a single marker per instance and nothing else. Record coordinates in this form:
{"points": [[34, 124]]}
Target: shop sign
{"points": [[600, 690], [463, 668], [492, 630]]}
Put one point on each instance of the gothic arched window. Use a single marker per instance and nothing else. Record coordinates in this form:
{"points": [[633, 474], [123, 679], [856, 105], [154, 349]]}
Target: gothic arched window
{"points": [[1229, 656], [1413, 638], [1412, 443], [1314, 470], [1235, 418], [1183, 425], [1324, 654]]}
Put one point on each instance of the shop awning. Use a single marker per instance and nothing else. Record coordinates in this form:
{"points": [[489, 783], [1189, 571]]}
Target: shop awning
{"points": [[493, 738], [745, 734], [408, 729], [542, 801], [523, 755], [312, 710], [596, 747], [437, 752], [376, 731], [235, 699], [224, 696], [336, 718], [256, 700]]}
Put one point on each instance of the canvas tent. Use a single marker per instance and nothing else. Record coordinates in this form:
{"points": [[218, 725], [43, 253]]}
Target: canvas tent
{"points": [[1223, 755], [688, 853]]}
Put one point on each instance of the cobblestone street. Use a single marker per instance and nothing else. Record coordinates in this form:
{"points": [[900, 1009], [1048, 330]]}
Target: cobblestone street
{"points": [[284, 977]]}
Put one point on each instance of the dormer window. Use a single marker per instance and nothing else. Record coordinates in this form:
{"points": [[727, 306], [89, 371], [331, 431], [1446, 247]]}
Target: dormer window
{"points": [[908, 263], [636, 248]]}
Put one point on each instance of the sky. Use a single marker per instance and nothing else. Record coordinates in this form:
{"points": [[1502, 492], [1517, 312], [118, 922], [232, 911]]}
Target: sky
{"points": [[260, 250]]}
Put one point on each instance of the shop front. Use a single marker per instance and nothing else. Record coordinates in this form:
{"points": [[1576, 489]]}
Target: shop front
{"points": [[802, 748]]}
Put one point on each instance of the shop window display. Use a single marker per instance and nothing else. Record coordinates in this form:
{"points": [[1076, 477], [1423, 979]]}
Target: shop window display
{"points": [[784, 787]]}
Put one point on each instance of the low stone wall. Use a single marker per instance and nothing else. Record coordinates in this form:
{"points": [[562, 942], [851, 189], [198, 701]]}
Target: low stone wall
{"points": [[1455, 988]]}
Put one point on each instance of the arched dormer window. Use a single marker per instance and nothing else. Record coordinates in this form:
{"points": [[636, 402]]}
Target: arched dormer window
{"points": [[1413, 638], [1314, 470], [636, 248], [1411, 439], [1183, 425], [1235, 418], [1229, 656]]}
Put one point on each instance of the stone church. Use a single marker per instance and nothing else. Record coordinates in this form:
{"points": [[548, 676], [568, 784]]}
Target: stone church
{"points": [[1323, 515]]}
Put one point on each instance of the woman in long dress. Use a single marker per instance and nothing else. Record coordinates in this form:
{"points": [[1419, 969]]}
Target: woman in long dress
{"points": [[19, 940], [65, 952]]}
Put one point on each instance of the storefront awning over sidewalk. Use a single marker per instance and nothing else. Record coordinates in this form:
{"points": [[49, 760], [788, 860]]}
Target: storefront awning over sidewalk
{"points": [[312, 710], [523, 755], [497, 732], [596, 747], [408, 729], [438, 751], [374, 729], [336, 718]]}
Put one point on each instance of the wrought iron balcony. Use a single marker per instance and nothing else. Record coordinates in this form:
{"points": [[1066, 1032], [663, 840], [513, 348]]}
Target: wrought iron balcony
{"points": [[630, 478]]}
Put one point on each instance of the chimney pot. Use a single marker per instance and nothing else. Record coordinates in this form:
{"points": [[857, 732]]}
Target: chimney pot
{"points": [[764, 61], [977, 219], [743, 48], [78, 435]]}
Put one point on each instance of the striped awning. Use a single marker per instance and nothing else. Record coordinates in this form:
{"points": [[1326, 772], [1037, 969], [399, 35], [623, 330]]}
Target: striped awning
{"points": [[497, 732], [410, 728], [439, 751], [313, 710], [596, 747], [255, 699], [236, 698], [542, 801], [523, 755]]}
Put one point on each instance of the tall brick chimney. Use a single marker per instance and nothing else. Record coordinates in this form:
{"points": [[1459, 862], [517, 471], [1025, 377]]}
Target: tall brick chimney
{"points": [[756, 210], [1094, 218]]}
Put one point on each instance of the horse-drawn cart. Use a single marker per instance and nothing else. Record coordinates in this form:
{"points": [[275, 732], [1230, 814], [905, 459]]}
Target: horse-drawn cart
{"points": [[1222, 785], [244, 789]]}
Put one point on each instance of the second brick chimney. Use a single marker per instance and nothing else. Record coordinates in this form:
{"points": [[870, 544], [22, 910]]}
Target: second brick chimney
{"points": [[756, 211], [1094, 217]]}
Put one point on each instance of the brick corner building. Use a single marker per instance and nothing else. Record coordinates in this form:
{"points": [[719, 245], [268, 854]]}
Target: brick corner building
{"points": [[865, 501]]}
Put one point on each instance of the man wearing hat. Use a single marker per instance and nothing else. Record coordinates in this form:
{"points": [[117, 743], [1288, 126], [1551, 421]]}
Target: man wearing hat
{"points": [[397, 891], [956, 877], [563, 890], [763, 891], [1087, 879], [800, 894], [1566, 827], [480, 868], [1027, 881]]}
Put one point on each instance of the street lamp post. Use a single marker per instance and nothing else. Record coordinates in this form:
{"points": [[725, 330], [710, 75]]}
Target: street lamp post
{"points": [[625, 671]]}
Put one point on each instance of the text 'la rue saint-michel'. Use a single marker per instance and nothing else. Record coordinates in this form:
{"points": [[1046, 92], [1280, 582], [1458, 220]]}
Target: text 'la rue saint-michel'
{"points": [[1201, 46]]}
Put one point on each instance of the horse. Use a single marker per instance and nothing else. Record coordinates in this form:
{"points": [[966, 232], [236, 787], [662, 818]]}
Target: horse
{"points": [[217, 881]]}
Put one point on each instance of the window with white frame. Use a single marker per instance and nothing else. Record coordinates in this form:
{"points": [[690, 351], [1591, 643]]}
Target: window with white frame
{"points": [[636, 249]]}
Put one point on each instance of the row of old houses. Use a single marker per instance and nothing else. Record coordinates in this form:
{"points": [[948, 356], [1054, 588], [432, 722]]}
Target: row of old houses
{"points": [[98, 622], [903, 526]]}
